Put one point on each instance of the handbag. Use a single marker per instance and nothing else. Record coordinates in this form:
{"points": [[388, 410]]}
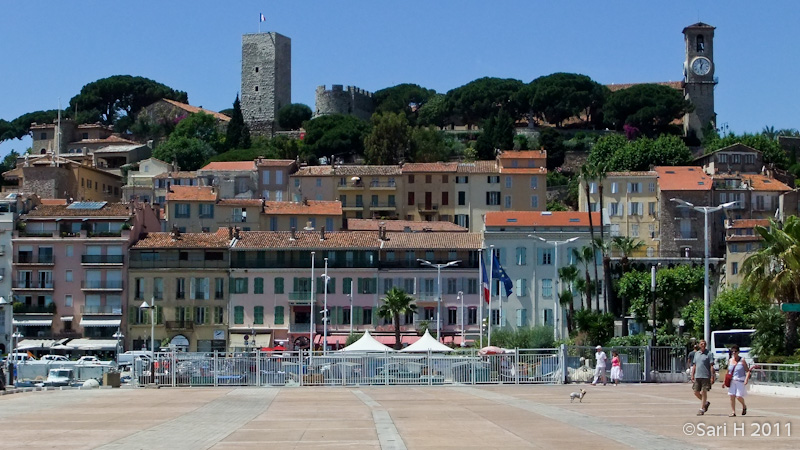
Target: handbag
{"points": [[729, 375]]}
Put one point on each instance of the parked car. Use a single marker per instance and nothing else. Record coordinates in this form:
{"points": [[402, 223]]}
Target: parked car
{"points": [[19, 357], [128, 357], [60, 377], [89, 360], [54, 358]]}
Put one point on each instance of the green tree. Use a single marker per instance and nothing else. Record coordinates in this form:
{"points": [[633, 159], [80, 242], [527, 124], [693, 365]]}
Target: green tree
{"points": [[585, 257], [190, 153], [768, 339], [477, 100], [395, 304], [557, 97], [598, 326], [525, 337], [627, 246], [120, 97], [497, 133], [553, 141], [8, 163], [649, 107], [237, 134], [388, 142], [406, 99], [291, 117], [732, 308], [772, 151], [773, 272], [435, 112], [568, 276], [200, 126], [428, 145], [335, 134], [618, 154], [21, 126]]}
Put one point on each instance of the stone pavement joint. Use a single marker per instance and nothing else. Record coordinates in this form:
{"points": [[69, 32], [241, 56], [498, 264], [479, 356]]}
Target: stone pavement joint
{"points": [[388, 435], [625, 435]]}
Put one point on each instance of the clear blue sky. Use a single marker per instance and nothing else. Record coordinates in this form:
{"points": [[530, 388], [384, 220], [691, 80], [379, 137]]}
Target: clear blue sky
{"points": [[50, 49]]}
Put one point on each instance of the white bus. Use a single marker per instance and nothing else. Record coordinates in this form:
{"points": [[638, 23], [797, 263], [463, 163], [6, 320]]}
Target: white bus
{"points": [[722, 340]]}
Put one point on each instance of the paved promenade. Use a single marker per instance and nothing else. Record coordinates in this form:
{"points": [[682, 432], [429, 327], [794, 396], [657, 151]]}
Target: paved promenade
{"points": [[483, 417]]}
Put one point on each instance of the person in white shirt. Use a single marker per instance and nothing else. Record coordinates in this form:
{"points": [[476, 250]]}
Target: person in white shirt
{"points": [[600, 367]]}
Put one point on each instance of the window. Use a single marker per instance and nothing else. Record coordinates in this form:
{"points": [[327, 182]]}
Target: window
{"points": [[278, 286], [452, 286], [651, 208], [734, 268], [319, 182], [614, 209], [200, 315], [69, 250], [544, 256], [219, 288], [652, 230], [462, 220], [534, 201], [522, 317], [472, 286], [635, 230], [428, 179], [701, 44], [206, 211], [493, 198], [592, 187], [508, 181], [507, 202], [68, 276], [265, 177], [411, 179], [547, 287], [614, 187], [452, 316], [219, 315], [258, 285], [199, 288], [180, 288], [366, 316], [495, 317], [444, 179], [652, 186], [410, 199], [522, 256], [182, 210], [462, 198], [158, 288], [329, 223], [634, 208], [258, 315], [138, 292], [634, 188], [279, 315], [367, 286], [472, 316], [462, 180], [521, 287], [445, 198], [493, 179], [409, 285], [238, 315], [238, 285]]}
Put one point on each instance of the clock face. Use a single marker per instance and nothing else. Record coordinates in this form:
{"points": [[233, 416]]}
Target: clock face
{"points": [[701, 66]]}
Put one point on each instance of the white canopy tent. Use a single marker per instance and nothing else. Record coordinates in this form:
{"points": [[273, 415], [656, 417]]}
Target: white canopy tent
{"points": [[427, 343], [367, 343]]}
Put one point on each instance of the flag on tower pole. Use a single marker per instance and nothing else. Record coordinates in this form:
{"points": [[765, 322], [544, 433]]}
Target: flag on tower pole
{"points": [[500, 273], [484, 282], [261, 18]]}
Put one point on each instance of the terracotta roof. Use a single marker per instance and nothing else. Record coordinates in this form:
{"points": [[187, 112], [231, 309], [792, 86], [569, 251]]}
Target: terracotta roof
{"points": [[733, 147], [54, 211], [183, 240], [109, 140], [366, 170], [261, 162], [683, 178], [523, 154], [313, 207], [744, 238], [239, 202], [434, 241], [400, 225], [618, 87], [648, 173], [764, 183], [749, 223], [478, 167], [313, 171], [540, 219], [307, 239], [230, 165], [191, 193], [195, 109], [523, 170], [430, 167], [174, 175], [53, 201]]}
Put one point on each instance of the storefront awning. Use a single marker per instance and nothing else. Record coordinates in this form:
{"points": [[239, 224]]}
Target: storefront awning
{"points": [[33, 344], [90, 322], [66, 318], [33, 322], [92, 344]]}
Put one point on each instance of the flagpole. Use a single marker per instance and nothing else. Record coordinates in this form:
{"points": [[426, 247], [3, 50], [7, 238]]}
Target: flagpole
{"points": [[481, 298], [491, 279]]}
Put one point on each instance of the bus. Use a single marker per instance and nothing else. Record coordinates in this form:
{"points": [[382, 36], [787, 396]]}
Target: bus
{"points": [[722, 340]]}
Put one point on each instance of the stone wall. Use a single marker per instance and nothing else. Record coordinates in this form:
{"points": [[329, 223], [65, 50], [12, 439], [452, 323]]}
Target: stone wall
{"points": [[48, 182], [669, 227], [340, 100], [266, 80]]}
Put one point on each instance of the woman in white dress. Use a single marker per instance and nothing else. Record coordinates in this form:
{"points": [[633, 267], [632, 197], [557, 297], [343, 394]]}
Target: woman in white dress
{"points": [[741, 375]]}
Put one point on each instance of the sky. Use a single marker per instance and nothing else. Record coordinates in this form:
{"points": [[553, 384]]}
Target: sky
{"points": [[50, 49]]}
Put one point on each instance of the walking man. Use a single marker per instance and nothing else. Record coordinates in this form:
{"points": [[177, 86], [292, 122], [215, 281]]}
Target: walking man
{"points": [[702, 376], [600, 367]]}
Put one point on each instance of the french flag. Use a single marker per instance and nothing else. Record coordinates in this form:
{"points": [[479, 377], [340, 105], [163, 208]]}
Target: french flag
{"points": [[485, 281], [261, 17]]}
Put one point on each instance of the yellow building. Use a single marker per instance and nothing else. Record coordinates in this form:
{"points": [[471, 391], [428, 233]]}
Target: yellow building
{"points": [[741, 241]]}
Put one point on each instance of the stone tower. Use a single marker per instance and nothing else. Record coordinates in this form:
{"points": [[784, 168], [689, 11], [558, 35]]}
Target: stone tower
{"points": [[698, 77], [266, 80]]}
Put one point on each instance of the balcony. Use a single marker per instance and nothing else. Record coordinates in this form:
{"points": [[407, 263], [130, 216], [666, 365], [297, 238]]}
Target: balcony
{"points": [[32, 284], [351, 186], [102, 309], [29, 258], [383, 185], [428, 207], [383, 205], [35, 234], [178, 325], [690, 236], [102, 259], [351, 207], [300, 298], [22, 308], [427, 296], [104, 233], [101, 285], [299, 327], [178, 264]]}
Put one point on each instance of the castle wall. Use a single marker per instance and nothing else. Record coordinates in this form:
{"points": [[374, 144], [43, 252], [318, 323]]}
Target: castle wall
{"points": [[340, 100]]}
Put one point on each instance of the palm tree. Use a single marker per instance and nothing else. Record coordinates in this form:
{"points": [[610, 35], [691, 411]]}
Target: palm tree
{"points": [[395, 304], [774, 270], [770, 132], [626, 246], [589, 173], [585, 256], [600, 173], [605, 250], [568, 275]]}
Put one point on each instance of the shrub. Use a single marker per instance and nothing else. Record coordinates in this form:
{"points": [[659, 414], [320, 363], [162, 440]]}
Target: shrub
{"points": [[527, 337]]}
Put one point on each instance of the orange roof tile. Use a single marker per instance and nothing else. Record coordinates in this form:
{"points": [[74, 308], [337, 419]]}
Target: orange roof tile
{"points": [[765, 183], [478, 167], [400, 225], [523, 154], [54, 211], [239, 202], [53, 201], [647, 173], [524, 170], [683, 178], [311, 207], [430, 167], [191, 194], [313, 171], [195, 109], [540, 219], [434, 241], [307, 239], [749, 223], [230, 165], [183, 240]]}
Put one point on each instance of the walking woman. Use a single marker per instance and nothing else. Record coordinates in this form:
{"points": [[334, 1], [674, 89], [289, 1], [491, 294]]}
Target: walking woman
{"points": [[741, 375]]}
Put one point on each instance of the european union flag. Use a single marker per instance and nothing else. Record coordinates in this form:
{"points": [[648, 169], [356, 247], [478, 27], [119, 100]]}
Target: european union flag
{"points": [[500, 273]]}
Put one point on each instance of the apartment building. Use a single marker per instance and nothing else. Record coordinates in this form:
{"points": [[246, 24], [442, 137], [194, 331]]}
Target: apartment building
{"points": [[757, 196], [69, 268], [273, 178], [234, 179], [741, 241], [140, 182], [429, 191], [164, 181], [52, 176], [184, 277]]}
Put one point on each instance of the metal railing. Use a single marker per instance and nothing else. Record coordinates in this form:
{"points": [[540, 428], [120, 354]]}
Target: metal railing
{"points": [[776, 374], [102, 284], [102, 259], [101, 309], [28, 258], [428, 206], [32, 284]]}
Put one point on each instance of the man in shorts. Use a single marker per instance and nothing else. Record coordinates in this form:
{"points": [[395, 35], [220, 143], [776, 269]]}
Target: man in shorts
{"points": [[702, 376]]}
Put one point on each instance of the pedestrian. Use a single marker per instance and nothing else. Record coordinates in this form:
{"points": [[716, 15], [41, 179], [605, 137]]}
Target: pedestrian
{"points": [[2, 379], [690, 360], [741, 375], [616, 368], [702, 376], [600, 367]]}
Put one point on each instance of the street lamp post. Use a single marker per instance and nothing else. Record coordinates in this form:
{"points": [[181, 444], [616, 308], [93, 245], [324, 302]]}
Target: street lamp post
{"points": [[461, 296], [556, 304], [351, 309], [15, 340], [439, 267], [152, 309], [311, 302], [325, 311], [706, 210], [118, 335], [3, 304]]}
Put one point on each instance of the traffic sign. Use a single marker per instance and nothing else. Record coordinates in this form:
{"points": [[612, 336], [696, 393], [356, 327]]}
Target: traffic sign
{"points": [[790, 307]]}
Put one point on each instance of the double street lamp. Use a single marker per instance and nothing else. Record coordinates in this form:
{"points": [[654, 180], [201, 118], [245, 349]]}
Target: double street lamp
{"points": [[556, 304], [118, 335], [152, 308], [15, 340], [706, 210], [439, 267]]}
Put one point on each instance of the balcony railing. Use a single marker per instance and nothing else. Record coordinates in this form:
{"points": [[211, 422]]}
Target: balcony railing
{"points": [[300, 298], [428, 206], [299, 327], [35, 234], [32, 284], [383, 184], [692, 235], [179, 325], [102, 309], [101, 284], [29, 258], [22, 308], [379, 205], [351, 185], [102, 259], [178, 264], [105, 233]]}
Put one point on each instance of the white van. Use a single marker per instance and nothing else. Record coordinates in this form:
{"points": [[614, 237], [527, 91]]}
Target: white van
{"points": [[127, 358], [19, 357], [722, 340]]}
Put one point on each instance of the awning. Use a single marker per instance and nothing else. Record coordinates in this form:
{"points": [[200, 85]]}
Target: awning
{"points": [[332, 340], [33, 322], [90, 322], [33, 344], [92, 344], [66, 318]]}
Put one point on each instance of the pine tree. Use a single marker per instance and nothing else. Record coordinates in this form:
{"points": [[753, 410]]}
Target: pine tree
{"points": [[233, 137]]}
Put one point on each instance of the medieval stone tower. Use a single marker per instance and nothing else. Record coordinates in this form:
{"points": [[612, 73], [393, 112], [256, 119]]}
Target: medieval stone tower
{"points": [[266, 80], [698, 77]]}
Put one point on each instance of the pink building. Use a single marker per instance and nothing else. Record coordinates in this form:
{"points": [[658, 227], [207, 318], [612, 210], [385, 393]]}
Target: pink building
{"points": [[69, 266]]}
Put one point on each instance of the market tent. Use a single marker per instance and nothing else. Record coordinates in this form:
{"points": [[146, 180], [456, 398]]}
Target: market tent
{"points": [[367, 343], [427, 343]]}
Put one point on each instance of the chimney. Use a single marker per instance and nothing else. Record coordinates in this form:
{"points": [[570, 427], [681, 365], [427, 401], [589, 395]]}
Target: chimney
{"points": [[236, 233], [230, 233], [322, 234], [263, 204], [294, 234]]}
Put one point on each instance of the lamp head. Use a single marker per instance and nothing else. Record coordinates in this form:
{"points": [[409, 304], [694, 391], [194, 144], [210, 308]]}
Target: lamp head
{"points": [[422, 261], [452, 263], [682, 202], [572, 239], [729, 205], [144, 305], [537, 237], [3, 301]]}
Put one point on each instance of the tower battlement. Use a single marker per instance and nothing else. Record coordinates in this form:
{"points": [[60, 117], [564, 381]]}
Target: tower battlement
{"points": [[340, 99]]}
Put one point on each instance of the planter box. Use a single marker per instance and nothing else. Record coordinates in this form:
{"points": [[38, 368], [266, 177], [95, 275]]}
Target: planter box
{"points": [[111, 379]]}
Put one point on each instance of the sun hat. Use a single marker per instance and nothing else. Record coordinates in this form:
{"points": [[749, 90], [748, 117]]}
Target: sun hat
{"points": [[598, 347]]}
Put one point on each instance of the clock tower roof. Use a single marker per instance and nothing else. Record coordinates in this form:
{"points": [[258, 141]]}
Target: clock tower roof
{"points": [[699, 25]]}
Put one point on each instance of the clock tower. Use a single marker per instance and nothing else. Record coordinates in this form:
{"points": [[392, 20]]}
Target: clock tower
{"points": [[698, 78]]}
